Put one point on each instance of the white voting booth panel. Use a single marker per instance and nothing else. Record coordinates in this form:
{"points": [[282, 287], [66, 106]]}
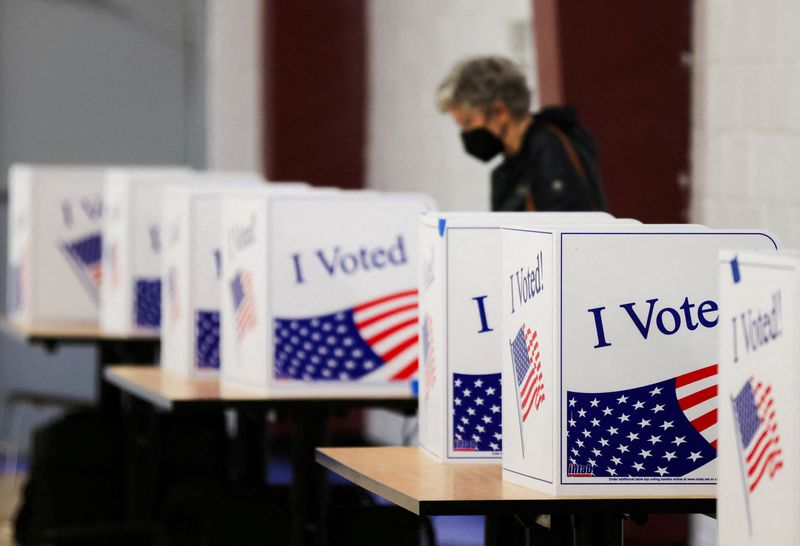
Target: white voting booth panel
{"points": [[54, 242], [321, 289], [130, 302], [191, 270], [757, 496], [609, 356], [460, 329]]}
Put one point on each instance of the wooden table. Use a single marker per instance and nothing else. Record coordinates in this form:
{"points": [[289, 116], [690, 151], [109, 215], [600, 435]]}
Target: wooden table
{"points": [[165, 391], [414, 480], [57, 333], [171, 392], [111, 348]]}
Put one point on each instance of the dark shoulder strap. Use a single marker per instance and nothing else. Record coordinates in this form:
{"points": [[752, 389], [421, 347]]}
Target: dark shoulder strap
{"points": [[571, 153], [575, 160]]}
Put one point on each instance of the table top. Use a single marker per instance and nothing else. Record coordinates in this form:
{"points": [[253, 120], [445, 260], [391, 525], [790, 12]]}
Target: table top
{"points": [[170, 391], [411, 478], [67, 332]]}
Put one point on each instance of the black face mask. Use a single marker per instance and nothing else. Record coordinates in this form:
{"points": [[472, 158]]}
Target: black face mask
{"points": [[481, 143]]}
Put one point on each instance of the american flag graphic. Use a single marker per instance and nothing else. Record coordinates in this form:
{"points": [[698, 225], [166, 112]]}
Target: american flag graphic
{"points": [[666, 429], [243, 305], [206, 333], [477, 423], [757, 430], [525, 355], [374, 341], [428, 355], [147, 309], [84, 256], [172, 295]]}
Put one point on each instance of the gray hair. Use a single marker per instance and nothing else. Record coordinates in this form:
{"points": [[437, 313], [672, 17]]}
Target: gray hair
{"points": [[479, 81]]}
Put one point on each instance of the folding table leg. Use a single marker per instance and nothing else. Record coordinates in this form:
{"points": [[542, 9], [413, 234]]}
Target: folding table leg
{"points": [[141, 460], [503, 531], [120, 352], [309, 490], [251, 444], [546, 530], [561, 531], [598, 530]]}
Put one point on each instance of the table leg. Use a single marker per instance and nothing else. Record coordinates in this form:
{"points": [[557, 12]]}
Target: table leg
{"points": [[141, 455], [561, 530], [251, 447], [598, 530], [503, 531], [119, 352], [309, 488], [543, 530]]}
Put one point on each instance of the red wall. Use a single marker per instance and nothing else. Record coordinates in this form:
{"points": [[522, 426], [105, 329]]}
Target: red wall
{"points": [[620, 65], [315, 91]]}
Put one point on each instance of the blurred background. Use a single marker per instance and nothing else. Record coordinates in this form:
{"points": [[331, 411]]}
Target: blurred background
{"points": [[692, 103]]}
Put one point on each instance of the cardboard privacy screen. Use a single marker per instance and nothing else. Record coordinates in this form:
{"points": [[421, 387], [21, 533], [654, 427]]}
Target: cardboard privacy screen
{"points": [[757, 498], [460, 288], [191, 271], [54, 243], [131, 294], [610, 357], [321, 291]]}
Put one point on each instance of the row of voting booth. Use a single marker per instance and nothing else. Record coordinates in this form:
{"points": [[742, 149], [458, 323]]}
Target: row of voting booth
{"points": [[590, 355], [599, 356], [282, 287]]}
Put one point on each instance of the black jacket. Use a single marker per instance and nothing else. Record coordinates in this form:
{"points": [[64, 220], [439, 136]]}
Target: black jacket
{"points": [[543, 168]]}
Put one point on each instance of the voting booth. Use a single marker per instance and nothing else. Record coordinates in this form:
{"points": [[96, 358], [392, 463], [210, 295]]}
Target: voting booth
{"points": [[192, 267], [759, 385], [321, 291], [54, 243], [610, 357], [460, 329], [131, 292]]}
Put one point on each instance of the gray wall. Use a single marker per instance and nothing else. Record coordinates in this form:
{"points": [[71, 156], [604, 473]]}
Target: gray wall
{"points": [[93, 81]]}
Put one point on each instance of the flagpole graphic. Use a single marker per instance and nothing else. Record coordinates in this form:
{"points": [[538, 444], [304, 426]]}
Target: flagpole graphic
{"points": [[741, 467], [760, 452], [519, 413], [529, 388]]}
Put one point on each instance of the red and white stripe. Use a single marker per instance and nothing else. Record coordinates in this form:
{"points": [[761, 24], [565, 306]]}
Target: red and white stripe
{"points": [[389, 325], [697, 397], [764, 456], [246, 314], [532, 391]]}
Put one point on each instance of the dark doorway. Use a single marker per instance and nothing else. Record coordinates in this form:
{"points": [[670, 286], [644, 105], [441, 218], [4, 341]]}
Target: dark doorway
{"points": [[315, 89], [623, 65]]}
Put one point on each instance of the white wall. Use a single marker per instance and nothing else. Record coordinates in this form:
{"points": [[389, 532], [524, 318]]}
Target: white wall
{"points": [[410, 145], [412, 45], [746, 115], [234, 83], [94, 82]]}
